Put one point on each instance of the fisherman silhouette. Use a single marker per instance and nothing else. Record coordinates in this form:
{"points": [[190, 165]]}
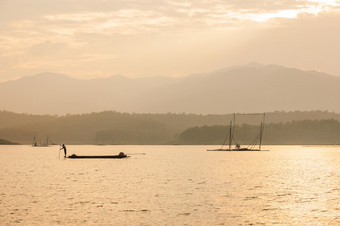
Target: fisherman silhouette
{"points": [[63, 147]]}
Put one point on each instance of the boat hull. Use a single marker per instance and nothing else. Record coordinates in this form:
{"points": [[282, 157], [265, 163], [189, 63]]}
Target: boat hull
{"points": [[97, 156]]}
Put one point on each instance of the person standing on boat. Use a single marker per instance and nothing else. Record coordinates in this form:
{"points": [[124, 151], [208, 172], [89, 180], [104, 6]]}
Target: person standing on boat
{"points": [[64, 147]]}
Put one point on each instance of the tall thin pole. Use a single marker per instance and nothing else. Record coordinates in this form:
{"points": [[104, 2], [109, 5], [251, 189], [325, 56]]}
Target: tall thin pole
{"points": [[230, 134], [261, 131], [226, 138]]}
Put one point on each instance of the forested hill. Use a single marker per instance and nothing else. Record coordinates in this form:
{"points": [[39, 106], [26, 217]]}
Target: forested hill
{"points": [[123, 128], [6, 142], [296, 132]]}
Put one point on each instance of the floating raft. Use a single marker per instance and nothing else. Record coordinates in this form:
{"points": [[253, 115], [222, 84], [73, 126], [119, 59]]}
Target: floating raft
{"points": [[240, 149], [120, 156]]}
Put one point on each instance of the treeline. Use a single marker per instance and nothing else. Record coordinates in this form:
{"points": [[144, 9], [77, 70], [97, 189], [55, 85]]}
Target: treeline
{"points": [[94, 128], [6, 142], [296, 132], [112, 127]]}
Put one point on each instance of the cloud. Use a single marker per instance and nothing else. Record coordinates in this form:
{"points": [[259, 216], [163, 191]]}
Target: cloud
{"points": [[157, 37], [47, 48], [175, 15], [120, 22], [144, 16]]}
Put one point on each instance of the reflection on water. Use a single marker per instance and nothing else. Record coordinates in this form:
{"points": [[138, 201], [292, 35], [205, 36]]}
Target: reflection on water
{"points": [[170, 185]]}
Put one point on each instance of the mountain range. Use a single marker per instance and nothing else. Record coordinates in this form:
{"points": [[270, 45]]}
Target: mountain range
{"points": [[248, 88]]}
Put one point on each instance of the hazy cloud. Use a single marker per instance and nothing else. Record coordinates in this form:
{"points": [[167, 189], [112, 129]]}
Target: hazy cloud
{"points": [[46, 48], [157, 37]]}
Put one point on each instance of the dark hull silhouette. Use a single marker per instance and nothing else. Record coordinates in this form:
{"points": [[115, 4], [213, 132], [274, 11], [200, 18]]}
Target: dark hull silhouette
{"points": [[241, 149], [74, 156]]}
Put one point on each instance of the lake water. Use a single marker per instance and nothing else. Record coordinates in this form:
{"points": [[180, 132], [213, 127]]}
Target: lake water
{"points": [[170, 185]]}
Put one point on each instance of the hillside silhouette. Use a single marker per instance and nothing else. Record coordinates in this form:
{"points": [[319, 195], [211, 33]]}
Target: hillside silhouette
{"points": [[247, 88], [6, 142], [312, 132]]}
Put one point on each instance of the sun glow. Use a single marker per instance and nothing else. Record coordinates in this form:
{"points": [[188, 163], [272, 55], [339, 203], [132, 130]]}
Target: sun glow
{"points": [[267, 16], [315, 7]]}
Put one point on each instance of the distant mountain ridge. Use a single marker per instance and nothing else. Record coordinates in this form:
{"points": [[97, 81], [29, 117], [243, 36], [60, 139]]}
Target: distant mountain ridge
{"points": [[246, 88]]}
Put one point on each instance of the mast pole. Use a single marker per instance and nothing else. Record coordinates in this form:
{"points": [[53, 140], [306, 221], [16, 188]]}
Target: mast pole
{"points": [[261, 131], [232, 128], [230, 134], [226, 138]]}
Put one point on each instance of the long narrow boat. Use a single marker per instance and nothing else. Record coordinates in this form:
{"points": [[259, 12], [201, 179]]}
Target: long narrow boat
{"points": [[230, 137], [119, 156]]}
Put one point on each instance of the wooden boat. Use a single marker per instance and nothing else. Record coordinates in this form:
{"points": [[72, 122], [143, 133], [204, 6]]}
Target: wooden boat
{"points": [[231, 138], [119, 156]]}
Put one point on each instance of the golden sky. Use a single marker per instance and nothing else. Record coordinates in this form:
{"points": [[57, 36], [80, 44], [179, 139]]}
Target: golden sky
{"points": [[138, 38]]}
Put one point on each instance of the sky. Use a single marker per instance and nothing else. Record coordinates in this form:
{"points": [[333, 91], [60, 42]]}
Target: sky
{"points": [[141, 38]]}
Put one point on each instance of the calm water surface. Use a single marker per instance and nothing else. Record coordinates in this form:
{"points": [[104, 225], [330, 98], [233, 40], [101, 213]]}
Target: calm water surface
{"points": [[172, 185]]}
